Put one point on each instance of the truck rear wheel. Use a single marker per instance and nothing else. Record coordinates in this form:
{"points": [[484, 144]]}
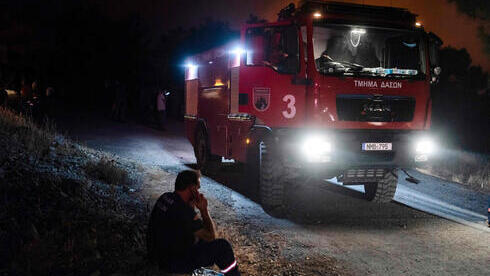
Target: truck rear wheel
{"points": [[384, 190], [206, 162], [273, 184]]}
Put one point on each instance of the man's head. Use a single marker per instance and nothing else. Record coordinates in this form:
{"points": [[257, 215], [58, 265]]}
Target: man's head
{"points": [[187, 184]]}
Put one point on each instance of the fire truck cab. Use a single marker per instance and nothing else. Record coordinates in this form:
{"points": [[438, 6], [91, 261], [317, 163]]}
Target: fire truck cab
{"points": [[329, 90]]}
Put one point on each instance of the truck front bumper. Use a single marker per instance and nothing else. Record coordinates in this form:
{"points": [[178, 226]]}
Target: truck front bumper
{"points": [[342, 151]]}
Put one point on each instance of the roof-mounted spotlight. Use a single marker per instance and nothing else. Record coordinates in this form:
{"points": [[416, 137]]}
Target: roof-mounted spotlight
{"points": [[190, 65], [191, 70], [238, 51]]}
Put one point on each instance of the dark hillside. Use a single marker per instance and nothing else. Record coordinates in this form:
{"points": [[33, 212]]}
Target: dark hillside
{"points": [[65, 209]]}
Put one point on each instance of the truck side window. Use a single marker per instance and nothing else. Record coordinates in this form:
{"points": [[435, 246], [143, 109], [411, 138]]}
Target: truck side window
{"points": [[276, 47]]}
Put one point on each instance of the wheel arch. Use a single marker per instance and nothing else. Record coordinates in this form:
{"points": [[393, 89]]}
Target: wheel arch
{"points": [[259, 132]]}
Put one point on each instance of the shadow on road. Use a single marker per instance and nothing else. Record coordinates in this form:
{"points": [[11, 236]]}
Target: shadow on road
{"points": [[318, 202]]}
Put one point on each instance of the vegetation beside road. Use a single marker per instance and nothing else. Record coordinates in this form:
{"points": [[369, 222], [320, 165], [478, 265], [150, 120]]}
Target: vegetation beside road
{"points": [[56, 216], [471, 170]]}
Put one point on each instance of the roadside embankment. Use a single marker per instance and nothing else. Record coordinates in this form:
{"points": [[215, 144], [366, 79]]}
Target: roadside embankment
{"points": [[466, 168], [64, 208]]}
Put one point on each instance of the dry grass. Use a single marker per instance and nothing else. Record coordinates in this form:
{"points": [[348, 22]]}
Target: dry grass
{"points": [[36, 142], [469, 169], [106, 170], [36, 139]]}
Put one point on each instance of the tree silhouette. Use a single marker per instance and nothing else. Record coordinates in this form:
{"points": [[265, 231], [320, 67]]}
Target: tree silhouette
{"points": [[254, 19], [478, 9], [460, 101], [455, 62]]}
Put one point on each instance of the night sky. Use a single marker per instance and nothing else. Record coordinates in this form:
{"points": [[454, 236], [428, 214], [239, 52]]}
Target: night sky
{"points": [[439, 16]]}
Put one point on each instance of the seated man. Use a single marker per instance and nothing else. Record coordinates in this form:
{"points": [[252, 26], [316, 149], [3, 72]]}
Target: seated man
{"points": [[178, 240]]}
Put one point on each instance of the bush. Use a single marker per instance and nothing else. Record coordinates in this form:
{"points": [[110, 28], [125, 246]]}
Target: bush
{"points": [[35, 140], [107, 171], [469, 169]]}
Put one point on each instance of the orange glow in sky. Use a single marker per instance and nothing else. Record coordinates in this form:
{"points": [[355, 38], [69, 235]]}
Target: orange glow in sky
{"points": [[439, 16]]}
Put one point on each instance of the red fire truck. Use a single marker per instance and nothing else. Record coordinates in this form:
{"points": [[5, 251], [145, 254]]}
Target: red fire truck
{"points": [[329, 90]]}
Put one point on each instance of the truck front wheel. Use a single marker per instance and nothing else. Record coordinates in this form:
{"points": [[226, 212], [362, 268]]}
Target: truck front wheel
{"points": [[384, 190], [273, 183], [206, 162]]}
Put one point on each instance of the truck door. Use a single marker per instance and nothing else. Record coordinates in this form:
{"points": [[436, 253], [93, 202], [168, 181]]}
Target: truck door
{"points": [[272, 78], [214, 101]]}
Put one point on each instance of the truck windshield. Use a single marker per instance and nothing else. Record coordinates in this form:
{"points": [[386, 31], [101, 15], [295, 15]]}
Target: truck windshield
{"points": [[369, 51]]}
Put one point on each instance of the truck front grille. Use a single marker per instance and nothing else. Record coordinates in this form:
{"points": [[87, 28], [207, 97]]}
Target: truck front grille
{"points": [[362, 175], [375, 108]]}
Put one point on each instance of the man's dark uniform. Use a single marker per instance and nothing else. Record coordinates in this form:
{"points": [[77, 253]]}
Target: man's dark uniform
{"points": [[171, 240]]}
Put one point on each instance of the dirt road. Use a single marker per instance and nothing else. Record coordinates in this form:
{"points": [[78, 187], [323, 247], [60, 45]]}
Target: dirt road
{"points": [[328, 226]]}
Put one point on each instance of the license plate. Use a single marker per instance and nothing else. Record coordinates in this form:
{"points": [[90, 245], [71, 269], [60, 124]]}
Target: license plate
{"points": [[376, 146]]}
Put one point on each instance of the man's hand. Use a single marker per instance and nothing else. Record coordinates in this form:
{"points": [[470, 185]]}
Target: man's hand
{"points": [[201, 203], [208, 233]]}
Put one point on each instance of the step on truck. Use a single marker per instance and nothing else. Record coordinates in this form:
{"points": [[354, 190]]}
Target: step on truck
{"points": [[328, 90]]}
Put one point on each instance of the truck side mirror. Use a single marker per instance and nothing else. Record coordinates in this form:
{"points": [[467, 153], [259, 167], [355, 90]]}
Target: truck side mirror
{"points": [[434, 44], [437, 70], [435, 75]]}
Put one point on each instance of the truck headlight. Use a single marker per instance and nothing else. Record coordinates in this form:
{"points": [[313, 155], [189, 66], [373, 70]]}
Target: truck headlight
{"points": [[425, 146], [316, 149]]}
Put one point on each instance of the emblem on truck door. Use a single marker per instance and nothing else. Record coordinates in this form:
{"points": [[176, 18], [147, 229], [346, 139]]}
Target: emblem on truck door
{"points": [[261, 98]]}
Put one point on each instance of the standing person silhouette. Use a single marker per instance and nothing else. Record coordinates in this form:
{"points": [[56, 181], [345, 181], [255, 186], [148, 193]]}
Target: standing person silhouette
{"points": [[162, 109]]}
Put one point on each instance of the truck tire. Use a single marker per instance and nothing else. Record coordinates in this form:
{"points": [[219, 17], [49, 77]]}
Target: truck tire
{"points": [[272, 189], [252, 169], [384, 190], [206, 162]]}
